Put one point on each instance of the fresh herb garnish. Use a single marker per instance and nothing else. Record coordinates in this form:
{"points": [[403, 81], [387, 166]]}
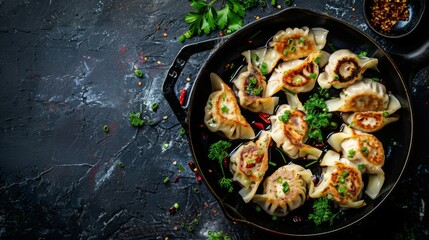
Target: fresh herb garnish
{"points": [[218, 151], [285, 117], [218, 236], [135, 119], [317, 115], [206, 18], [322, 211]]}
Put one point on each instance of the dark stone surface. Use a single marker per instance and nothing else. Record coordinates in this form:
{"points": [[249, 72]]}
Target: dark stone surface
{"points": [[66, 70]]}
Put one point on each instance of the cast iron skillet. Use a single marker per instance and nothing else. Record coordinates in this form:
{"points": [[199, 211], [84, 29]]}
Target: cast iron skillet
{"points": [[397, 138], [402, 28]]}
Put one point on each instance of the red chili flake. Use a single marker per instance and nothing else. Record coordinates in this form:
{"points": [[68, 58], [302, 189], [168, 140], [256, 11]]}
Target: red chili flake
{"points": [[214, 211], [191, 165], [259, 125], [176, 179], [199, 179], [182, 96], [265, 117], [225, 162], [172, 210]]}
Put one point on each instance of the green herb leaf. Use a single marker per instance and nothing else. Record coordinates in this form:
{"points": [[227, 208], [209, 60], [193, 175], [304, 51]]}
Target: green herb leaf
{"points": [[322, 211], [135, 119]]}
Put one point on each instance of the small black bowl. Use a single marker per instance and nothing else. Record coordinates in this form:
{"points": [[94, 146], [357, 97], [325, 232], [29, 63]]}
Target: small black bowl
{"points": [[402, 28]]}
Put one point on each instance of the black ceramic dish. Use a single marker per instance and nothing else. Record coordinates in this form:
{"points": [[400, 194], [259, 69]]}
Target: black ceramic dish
{"points": [[402, 28], [227, 50]]}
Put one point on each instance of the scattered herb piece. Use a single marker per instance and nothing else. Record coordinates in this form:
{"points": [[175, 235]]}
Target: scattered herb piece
{"points": [[166, 180], [121, 164], [351, 153], [176, 205], [285, 117], [135, 119], [258, 208], [224, 109], [106, 128], [138, 73], [322, 211], [182, 131], [154, 106], [317, 115], [217, 236], [218, 151]]}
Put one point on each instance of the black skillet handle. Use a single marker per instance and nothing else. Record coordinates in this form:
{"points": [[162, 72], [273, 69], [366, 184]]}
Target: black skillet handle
{"points": [[174, 72]]}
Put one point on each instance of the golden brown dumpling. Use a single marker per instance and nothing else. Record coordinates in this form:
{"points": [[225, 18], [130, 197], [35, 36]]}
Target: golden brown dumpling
{"points": [[345, 68], [290, 132], [341, 181], [223, 114], [285, 190], [373, 121], [289, 44], [366, 151], [251, 87], [297, 75], [362, 96], [249, 163]]}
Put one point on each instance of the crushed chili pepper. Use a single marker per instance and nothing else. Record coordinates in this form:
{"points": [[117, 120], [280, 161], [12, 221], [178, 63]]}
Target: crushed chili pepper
{"points": [[386, 13], [265, 117], [182, 96], [259, 125]]}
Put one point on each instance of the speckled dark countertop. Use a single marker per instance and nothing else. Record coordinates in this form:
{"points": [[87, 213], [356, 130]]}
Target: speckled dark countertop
{"points": [[66, 70]]}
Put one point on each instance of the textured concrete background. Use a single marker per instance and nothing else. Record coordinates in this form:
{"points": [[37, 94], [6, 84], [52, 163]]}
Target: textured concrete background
{"points": [[66, 70]]}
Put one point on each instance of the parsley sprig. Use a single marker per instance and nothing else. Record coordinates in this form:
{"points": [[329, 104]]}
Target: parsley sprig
{"points": [[317, 114], [218, 151], [322, 211], [206, 18]]}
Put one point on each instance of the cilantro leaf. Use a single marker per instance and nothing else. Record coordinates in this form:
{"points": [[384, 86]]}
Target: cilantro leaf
{"points": [[135, 119], [199, 5], [322, 211]]}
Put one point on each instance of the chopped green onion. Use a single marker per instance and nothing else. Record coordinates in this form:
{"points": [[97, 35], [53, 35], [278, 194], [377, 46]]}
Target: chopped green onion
{"points": [[138, 73], [255, 57], [258, 208], [279, 179], [121, 164], [342, 190], [166, 179], [286, 187], [290, 41], [105, 128], [351, 153], [285, 117], [375, 79], [176, 205], [154, 106], [288, 2], [182, 131], [309, 164], [317, 60], [196, 190], [302, 40], [274, 218], [264, 67], [292, 49], [190, 228], [336, 76], [272, 164], [249, 161], [225, 109], [285, 52], [385, 114], [363, 149], [361, 167], [195, 222], [313, 75]]}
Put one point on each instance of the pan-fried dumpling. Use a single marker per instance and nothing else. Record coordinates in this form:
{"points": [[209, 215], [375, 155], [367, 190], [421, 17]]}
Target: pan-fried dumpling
{"points": [[362, 96], [289, 44], [345, 68], [290, 132], [297, 75], [285, 190], [251, 87], [366, 151], [249, 163], [341, 181], [373, 120], [223, 114]]}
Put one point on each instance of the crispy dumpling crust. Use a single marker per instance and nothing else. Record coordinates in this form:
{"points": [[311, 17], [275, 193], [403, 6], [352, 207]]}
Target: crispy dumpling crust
{"points": [[341, 181], [289, 44], [249, 163], [373, 121], [297, 75], [251, 87], [345, 68], [362, 149], [362, 96], [292, 135], [285, 190], [223, 114]]}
